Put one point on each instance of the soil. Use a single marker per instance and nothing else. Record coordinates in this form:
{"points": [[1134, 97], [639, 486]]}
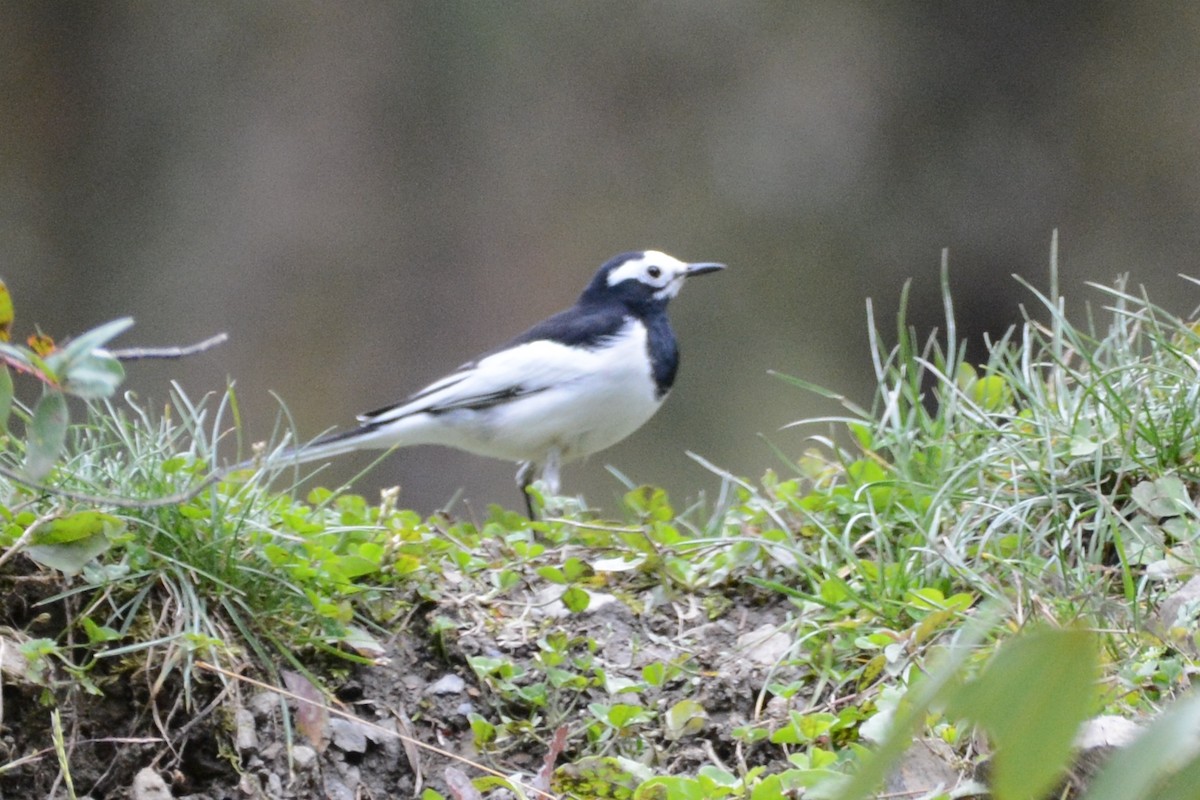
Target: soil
{"points": [[137, 736]]}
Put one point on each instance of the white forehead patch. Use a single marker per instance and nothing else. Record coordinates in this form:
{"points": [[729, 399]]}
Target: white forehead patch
{"points": [[652, 268]]}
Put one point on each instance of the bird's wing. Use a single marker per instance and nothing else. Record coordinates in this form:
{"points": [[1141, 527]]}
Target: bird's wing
{"points": [[499, 378], [552, 352]]}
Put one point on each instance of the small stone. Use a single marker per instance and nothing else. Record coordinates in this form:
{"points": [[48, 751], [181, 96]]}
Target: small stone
{"points": [[765, 645], [1187, 595], [777, 707], [347, 736], [926, 767], [449, 683], [336, 790], [344, 785], [264, 704], [1106, 731], [350, 773], [271, 751], [304, 757], [149, 785], [390, 740], [250, 786], [246, 738]]}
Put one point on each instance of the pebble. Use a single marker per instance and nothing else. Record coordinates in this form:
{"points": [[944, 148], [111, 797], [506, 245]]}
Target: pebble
{"points": [[246, 738], [347, 736], [449, 683], [304, 757], [149, 785], [264, 704]]}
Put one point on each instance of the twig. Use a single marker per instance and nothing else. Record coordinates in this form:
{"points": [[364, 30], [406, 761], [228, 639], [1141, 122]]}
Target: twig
{"points": [[28, 369], [9, 766], [138, 353]]}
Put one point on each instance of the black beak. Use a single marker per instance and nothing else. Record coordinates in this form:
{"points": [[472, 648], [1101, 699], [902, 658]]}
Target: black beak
{"points": [[700, 269]]}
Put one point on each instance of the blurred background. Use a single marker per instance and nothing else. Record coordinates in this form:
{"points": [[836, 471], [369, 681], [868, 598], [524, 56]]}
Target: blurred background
{"points": [[365, 195]]}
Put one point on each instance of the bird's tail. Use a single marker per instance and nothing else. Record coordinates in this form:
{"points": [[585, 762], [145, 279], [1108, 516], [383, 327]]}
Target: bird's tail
{"points": [[319, 449]]}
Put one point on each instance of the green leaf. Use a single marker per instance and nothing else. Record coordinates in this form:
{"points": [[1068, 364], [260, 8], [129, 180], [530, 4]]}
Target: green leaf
{"points": [[93, 376], [1182, 785], [938, 684], [715, 776], [482, 730], [793, 783], [600, 776], [675, 788], [574, 569], [926, 598], [552, 574], [362, 642], [69, 558], [77, 526], [576, 599], [1031, 699], [622, 715], [86, 342], [862, 434], [99, 633], [834, 591], [804, 728], [649, 502], [46, 434], [654, 673], [352, 566], [6, 396], [685, 718], [965, 375], [1165, 497], [18, 355], [748, 734], [173, 465], [67, 544], [815, 724], [991, 393]]}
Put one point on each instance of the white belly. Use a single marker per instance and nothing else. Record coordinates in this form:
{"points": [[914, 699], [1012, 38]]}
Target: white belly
{"points": [[584, 401], [607, 398]]}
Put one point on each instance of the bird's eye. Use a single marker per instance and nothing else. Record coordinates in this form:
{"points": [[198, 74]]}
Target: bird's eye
{"points": [[654, 272]]}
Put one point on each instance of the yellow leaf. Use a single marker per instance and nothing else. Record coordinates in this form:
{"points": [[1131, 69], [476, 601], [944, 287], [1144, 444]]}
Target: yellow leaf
{"points": [[6, 313], [41, 344]]}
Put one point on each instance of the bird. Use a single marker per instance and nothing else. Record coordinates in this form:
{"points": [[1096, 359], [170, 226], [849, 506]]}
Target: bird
{"points": [[572, 385]]}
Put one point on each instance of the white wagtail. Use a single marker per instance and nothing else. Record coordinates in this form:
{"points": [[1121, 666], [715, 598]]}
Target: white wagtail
{"points": [[572, 385]]}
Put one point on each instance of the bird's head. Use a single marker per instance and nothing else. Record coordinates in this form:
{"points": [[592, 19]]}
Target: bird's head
{"points": [[643, 278]]}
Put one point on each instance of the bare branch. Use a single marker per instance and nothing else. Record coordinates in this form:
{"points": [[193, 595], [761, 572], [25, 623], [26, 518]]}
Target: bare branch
{"points": [[138, 353]]}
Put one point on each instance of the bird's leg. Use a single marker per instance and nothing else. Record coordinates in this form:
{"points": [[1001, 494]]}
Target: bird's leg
{"points": [[550, 475], [525, 476], [551, 481], [551, 472]]}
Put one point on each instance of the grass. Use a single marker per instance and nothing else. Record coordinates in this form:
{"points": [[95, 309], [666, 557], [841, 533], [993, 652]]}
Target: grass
{"points": [[986, 547]]}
